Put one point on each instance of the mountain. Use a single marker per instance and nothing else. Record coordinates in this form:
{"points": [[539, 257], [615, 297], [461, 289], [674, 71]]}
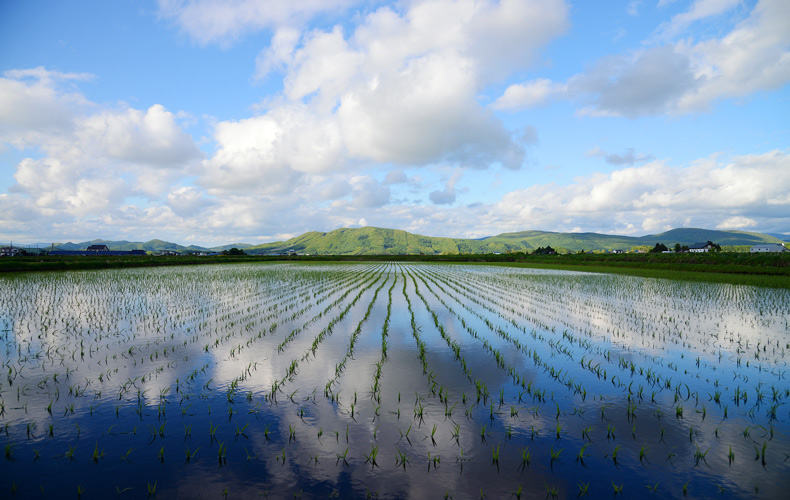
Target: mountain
{"points": [[781, 236], [149, 246], [372, 240]]}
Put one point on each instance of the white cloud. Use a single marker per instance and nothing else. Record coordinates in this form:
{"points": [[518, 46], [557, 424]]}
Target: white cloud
{"points": [[529, 94], [425, 114], [269, 153], [628, 157], [34, 104], [401, 88], [55, 186], [396, 176], [223, 21], [655, 195], [368, 193], [754, 56], [90, 158], [131, 135], [279, 52], [737, 223], [187, 201], [688, 75], [649, 82], [699, 10], [447, 195]]}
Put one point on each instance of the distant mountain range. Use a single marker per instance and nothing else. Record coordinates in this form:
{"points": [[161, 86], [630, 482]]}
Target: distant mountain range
{"points": [[374, 240], [149, 246]]}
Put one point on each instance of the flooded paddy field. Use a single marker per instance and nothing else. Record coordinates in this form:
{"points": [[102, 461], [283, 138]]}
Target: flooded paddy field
{"points": [[390, 381]]}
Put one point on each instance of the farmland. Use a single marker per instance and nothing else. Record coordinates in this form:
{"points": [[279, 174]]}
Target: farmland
{"points": [[390, 380]]}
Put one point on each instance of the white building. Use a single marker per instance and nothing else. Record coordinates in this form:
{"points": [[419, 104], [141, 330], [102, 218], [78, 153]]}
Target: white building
{"points": [[768, 247], [701, 247]]}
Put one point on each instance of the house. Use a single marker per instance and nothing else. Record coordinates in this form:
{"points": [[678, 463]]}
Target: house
{"points": [[98, 248], [768, 247], [9, 251], [701, 247]]}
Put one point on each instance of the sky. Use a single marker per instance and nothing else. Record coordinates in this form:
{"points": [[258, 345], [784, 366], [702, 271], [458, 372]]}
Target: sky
{"points": [[211, 122]]}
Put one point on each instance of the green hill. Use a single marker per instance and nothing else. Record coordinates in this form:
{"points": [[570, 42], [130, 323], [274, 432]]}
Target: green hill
{"points": [[372, 240], [361, 241]]}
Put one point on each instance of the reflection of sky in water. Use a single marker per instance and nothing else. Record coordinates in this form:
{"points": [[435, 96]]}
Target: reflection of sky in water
{"points": [[256, 360]]}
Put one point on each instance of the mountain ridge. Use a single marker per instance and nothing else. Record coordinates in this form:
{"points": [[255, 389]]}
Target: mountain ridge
{"points": [[374, 240]]}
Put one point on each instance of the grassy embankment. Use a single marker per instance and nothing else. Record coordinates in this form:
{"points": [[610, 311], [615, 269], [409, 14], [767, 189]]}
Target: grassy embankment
{"points": [[772, 270]]}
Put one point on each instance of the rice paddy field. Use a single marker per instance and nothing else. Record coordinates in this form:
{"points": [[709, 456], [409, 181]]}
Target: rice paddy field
{"points": [[389, 380]]}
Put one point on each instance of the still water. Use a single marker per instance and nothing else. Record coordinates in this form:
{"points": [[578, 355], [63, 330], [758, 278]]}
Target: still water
{"points": [[390, 381]]}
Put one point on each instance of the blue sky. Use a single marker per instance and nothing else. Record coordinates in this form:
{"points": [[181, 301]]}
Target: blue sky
{"points": [[208, 122]]}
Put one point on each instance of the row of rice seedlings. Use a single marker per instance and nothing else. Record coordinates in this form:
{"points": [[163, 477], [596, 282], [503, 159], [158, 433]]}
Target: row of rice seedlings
{"points": [[355, 337], [630, 407], [371, 280], [632, 368], [376, 388]]}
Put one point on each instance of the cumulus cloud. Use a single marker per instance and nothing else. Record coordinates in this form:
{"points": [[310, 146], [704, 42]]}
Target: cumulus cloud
{"points": [[657, 196], [268, 153], [149, 137], [37, 103], [91, 157], [401, 88]]}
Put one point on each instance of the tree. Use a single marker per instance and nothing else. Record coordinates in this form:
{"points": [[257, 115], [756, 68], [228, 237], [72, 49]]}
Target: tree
{"points": [[677, 247], [660, 247], [233, 251], [544, 251]]}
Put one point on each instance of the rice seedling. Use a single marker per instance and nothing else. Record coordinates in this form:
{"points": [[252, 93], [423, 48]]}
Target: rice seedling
{"points": [[371, 456], [401, 460], [582, 453], [339, 457], [97, 454], [190, 454], [555, 455], [614, 454]]}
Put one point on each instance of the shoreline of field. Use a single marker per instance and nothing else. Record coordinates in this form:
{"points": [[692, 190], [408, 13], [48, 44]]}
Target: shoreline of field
{"points": [[740, 269]]}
